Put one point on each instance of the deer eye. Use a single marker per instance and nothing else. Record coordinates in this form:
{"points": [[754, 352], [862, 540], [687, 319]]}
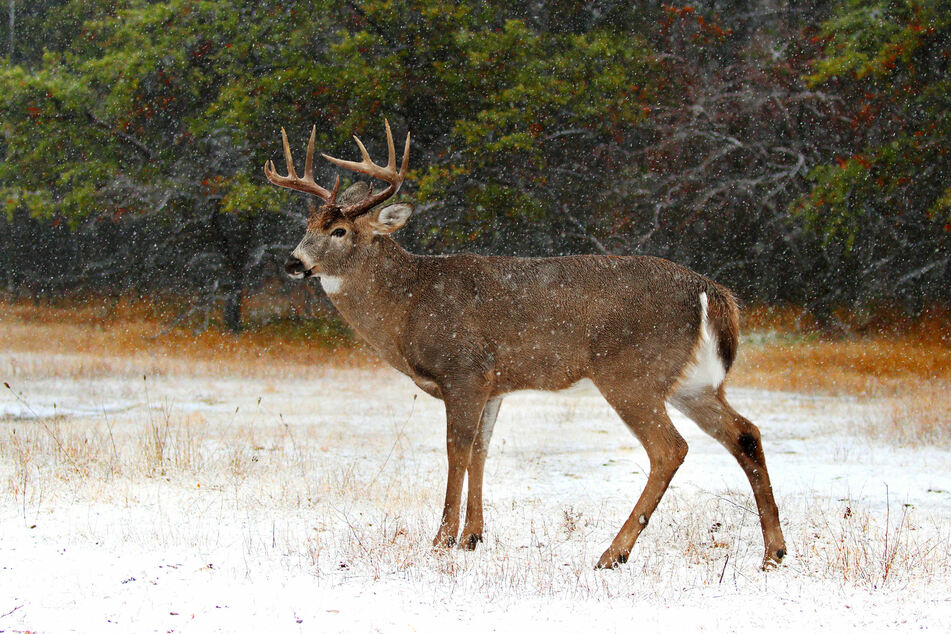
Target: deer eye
{"points": [[339, 232]]}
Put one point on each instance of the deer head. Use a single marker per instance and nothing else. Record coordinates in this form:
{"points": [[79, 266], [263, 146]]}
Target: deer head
{"points": [[342, 230]]}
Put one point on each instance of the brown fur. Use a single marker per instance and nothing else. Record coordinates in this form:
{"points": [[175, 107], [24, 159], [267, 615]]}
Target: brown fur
{"points": [[470, 329]]}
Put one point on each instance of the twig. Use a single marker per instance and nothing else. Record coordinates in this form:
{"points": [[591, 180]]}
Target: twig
{"points": [[597, 243], [399, 434], [885, 565], [11, 611], [46, 427], [353, 529], [739, 506], [115, 452], [122, 136], [722, 572]]}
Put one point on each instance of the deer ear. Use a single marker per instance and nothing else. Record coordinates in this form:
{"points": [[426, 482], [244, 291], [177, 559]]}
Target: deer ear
{"points": [[391, 218]]}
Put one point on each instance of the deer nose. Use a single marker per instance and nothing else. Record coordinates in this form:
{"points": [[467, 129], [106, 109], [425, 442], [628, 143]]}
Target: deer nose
{"points": [[294, 267]]}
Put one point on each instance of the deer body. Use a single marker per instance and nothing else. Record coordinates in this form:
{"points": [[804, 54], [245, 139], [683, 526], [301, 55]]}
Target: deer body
{"points": [[561, 322], [470, 329]]}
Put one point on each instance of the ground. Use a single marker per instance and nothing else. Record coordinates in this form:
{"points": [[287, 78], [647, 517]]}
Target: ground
{"points": [[188, 497]]}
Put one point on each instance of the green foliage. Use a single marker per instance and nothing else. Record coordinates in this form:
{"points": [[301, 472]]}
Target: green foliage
{"points": [[537, 85], [880, 40], [535, 98], [56, 158], [889, 61], [134, 110], [243, 192]]}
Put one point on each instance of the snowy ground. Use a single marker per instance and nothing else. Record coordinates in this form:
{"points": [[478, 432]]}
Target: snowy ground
{"points": [[307, 502]]}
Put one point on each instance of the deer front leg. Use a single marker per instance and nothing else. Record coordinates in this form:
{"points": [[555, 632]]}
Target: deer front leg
{"points": [[463, 411], [472, 531]]}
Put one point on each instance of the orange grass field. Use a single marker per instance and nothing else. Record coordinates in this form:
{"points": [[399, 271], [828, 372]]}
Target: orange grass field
{"points": [[906, 366]]}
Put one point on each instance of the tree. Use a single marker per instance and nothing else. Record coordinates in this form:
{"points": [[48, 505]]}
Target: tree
{"points": [[10, 30], [502, 116], [885, 199], [124, 122], [708, 176]]}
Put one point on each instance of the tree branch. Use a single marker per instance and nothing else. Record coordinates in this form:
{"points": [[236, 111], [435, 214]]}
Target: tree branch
{"points": [[122, 136]]}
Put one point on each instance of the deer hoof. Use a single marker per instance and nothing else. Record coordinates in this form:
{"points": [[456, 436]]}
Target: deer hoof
{"points": [[773, 558], [611, 559], [470, 542], [444, 541]]}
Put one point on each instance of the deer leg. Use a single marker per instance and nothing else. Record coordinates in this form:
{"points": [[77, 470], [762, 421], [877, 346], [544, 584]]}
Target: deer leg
{"points": [[666, 449], [463, 412], [472, 531], [716, 417]]}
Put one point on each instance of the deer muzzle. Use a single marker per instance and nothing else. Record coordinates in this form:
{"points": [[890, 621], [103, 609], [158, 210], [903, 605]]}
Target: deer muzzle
{"points": [[295, 268]]}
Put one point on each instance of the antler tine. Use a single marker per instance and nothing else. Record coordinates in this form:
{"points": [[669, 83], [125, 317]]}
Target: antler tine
{"points": [[405, 165], [353, 166], [367, 166], [363, 151], [309, 161], [391, 158], [287, 155], [292, 180], [333, 194]]}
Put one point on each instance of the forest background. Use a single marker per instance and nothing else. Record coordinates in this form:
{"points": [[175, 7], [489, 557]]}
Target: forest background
{"points": [[797, 152]]}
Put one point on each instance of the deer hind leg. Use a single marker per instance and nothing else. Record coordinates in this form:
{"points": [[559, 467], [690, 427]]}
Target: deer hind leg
{"points": [[472, 531], [463, 413], [666, 449], [710, 410]]}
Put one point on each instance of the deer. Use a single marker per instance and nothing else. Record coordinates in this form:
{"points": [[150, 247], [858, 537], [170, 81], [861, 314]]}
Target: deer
{"points": [[471, 329]]}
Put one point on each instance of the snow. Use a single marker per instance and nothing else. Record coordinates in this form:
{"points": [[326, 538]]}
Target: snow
{"points": [[307, 502]]}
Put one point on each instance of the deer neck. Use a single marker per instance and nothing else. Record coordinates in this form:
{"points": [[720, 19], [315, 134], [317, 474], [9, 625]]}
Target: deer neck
{"points": [[374, 294]]}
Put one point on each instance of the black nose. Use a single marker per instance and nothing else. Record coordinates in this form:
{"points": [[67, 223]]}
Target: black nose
{"points": [[293, 266]]}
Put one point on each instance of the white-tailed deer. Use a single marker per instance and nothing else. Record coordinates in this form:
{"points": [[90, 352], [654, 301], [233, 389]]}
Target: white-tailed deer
{"points": [[470, 329]]}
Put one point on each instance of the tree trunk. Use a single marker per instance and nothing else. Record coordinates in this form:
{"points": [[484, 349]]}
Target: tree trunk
{"points": [[232, 310], [232, 239], [10, 33]]}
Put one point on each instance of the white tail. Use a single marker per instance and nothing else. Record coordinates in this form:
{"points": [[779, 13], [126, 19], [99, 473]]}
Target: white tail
{"points": [[707, 370], [469, 330]]}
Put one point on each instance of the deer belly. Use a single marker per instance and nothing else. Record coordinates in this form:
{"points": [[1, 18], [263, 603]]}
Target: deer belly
{"points": [[584, 387]]}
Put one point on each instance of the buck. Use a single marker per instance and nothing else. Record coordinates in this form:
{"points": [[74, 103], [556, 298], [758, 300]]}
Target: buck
{"points": [[471, 329]]}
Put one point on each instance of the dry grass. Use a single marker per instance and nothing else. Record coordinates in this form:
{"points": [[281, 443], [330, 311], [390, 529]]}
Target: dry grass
{"points": [[903, 368], [919, 416], [862, 367], [91, 340], [784, 351]]}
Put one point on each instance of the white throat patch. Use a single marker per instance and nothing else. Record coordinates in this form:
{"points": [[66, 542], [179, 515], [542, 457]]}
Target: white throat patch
{"points": [[331, 283]]}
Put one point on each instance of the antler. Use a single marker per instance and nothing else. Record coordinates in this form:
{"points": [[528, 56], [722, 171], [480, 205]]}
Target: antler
{"points": [[292, 181], [368, 167]]}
